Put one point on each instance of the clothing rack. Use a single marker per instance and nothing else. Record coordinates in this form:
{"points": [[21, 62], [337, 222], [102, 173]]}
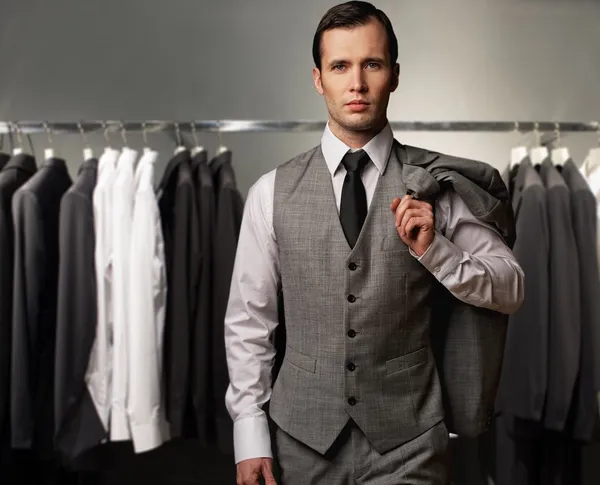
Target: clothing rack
{"points": [[222, 126]]}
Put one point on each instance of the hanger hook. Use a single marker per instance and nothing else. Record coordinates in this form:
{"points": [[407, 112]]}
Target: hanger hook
{"points": [[105, 126], [598, 131], [516, 128], [557, 132], [48, 132], [144, 134], [219, 139], [123, 133], [536, 129], [193, 126], [177, 133], [18, 133], [83, 135]]}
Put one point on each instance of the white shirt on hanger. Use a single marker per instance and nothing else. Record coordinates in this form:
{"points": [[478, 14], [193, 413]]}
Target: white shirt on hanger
{"points": [[122, 218], [467, 256], [591, 173], [147, 307], [99, 372]]}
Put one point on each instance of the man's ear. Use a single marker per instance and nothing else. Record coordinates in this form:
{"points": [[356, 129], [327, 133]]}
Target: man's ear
{"points": [[317, 80], [395, 78]]}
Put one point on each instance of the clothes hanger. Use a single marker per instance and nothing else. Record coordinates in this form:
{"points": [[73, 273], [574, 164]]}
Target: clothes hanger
{"points": [[87, 151], [18, 150], [221, 148], [180, 146], [539, 153], [197, 147], [519, 153], [593, 157], [50, 151], [559, 154]]}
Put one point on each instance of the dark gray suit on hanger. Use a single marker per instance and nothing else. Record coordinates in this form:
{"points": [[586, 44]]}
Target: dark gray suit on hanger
{"points": [[565, 307], [36, 210], [77, 424], [583, 205], [522, 393], [16, 172]]}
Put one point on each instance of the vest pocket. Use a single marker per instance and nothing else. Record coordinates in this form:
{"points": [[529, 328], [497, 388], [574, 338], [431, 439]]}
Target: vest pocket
{"points": [[302, 361], [405, 362]]}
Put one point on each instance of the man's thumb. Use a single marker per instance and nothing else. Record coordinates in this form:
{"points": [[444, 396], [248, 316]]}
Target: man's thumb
{"points": [[267, 471]]}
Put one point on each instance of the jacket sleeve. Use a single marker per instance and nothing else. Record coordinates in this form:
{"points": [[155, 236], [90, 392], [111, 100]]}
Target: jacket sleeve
{"points": [[76, 305], [146, 324], [28, 275]]}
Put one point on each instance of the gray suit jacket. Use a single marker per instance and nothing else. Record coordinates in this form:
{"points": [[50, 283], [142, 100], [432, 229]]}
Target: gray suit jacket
{"points": [[583, 209], [468, 344], [565, 307], [36, 211], [520, 393]]}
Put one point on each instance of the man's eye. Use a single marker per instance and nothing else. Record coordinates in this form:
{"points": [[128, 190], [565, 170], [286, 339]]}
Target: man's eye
{"points": [[373, 65], [338, 67]]}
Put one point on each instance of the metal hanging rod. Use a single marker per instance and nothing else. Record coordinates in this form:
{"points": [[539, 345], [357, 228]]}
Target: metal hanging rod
{"points": [[248, 126]]}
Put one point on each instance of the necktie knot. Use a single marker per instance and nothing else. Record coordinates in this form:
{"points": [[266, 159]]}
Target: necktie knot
{"points": [[355, 161]]}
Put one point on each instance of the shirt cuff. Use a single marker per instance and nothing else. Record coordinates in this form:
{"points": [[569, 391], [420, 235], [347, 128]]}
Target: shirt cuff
{"points": [[251, 439], [441, 257]]}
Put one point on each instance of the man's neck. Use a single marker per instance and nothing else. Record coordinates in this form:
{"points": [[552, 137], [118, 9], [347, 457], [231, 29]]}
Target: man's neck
{"points": [[355, 139]]}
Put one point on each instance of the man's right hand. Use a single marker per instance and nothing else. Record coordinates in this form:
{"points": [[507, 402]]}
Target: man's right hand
{"points": [[250, 471]]}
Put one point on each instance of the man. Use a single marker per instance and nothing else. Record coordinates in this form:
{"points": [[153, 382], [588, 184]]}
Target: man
{"points": [[358, 398]]}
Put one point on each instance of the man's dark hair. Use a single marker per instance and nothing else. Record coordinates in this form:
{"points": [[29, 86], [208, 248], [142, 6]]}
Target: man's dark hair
{"points": [[353, 14]]}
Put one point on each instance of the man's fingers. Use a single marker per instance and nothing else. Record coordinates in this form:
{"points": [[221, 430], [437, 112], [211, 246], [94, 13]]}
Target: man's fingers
{"points": [[411, 213], [415, 222], [395, 203], [267, 471]]}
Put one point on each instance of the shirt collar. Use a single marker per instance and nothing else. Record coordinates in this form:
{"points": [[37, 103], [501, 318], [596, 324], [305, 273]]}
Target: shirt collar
{"points": [[378, 148]]}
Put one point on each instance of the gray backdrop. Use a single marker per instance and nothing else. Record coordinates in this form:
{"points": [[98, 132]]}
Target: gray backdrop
{"points": [[233, 59]]}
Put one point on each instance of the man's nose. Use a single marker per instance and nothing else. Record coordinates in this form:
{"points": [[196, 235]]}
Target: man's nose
{"points": [[357, 83]]}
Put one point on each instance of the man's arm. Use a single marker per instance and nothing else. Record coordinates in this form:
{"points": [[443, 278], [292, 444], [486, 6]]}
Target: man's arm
{"points": [[471, 259], [250, 320]]}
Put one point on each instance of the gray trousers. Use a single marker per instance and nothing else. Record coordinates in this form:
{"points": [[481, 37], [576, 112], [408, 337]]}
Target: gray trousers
{"points": [[352, 460]]}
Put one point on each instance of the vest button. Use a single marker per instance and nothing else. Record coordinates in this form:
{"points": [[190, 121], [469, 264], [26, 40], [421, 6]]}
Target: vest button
{"points": [[351, 333], [351, 298], [351, 401], [350, 366], [352, 266]]}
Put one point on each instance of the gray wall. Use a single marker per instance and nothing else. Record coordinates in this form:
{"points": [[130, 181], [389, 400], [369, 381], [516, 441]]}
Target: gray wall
{"points": [[231, 59]]}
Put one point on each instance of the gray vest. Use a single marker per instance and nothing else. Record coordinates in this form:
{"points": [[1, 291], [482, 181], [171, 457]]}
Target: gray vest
{"points": [[357, 320]]}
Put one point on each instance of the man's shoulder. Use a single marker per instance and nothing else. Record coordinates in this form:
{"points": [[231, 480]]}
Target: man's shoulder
{"points": [[300, 160], [421, 155], [297, 164]]}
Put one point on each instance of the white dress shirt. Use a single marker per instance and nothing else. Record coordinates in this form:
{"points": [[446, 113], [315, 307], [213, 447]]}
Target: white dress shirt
{"points": [[122, 219], [147, 305], [99, 372], [467, 256], [591, 173]]}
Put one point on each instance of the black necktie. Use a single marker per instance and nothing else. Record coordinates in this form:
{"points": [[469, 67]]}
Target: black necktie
{"points": [[353, 207]]}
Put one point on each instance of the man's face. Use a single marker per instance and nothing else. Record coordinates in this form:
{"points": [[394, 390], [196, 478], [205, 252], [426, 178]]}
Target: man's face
{"points": [[356, 76]]}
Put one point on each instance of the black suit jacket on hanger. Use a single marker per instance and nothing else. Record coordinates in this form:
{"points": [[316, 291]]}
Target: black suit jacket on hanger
{"points": [[230, 208], [522, 393], [565, 308], [202, 325], [15, 173], [77, 424], [179, 219], [583, 207], [36, 209]]}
